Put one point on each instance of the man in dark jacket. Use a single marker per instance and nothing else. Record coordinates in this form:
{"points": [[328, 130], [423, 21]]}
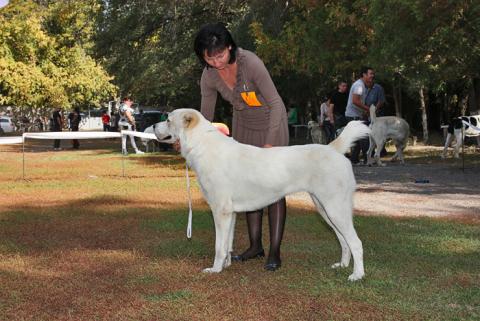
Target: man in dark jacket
{"points": [[74, 118], [57, 124]]}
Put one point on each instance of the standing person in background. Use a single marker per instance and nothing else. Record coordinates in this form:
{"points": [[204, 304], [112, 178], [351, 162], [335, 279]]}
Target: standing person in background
{"points": [[127, 122], [259, 118], [358, 110], [114, 121], [338, 101], [326, 121], [74, 119], [292, 117], [57, 125], [105, 121], [376, 96]]}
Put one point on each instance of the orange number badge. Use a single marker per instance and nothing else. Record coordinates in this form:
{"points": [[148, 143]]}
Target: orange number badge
{"points": [[250, 98]]}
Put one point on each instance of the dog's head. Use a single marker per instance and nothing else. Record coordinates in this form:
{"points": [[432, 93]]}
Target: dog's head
{"points": [[312, 124], [178, 123]]}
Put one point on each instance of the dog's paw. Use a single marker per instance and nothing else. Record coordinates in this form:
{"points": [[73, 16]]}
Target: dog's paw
{"points": [[338, 265], [228, 262], [355, 276], [212, 270]]}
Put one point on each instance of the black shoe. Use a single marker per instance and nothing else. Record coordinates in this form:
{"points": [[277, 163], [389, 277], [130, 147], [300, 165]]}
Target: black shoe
{"points": [[244, 257], [273, 265]]}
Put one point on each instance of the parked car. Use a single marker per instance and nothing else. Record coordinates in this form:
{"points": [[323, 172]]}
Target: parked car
{"points": [[6, 124], [148, 118]]}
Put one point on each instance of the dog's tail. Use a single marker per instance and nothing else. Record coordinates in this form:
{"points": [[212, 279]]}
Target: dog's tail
{"points": [[351, 133], [373, 113]]}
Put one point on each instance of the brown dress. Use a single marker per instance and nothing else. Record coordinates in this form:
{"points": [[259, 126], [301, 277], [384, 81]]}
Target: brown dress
{"points": [[253, 125]]}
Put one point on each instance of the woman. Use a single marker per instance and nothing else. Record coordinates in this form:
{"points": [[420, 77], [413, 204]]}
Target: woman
{"points": [[259, 118]]}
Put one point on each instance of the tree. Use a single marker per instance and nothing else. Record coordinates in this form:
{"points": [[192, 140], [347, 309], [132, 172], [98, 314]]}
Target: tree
{"points": [[42, 67]]}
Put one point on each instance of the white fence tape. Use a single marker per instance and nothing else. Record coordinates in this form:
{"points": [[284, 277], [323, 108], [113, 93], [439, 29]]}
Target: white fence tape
{"points": [[73, 135], [11, 140]]}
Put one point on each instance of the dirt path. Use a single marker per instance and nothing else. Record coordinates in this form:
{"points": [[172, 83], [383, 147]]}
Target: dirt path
{"points": [[392, 191]]}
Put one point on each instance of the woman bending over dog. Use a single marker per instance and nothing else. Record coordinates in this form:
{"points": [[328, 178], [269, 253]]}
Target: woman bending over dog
{"points": [[259, 118]]}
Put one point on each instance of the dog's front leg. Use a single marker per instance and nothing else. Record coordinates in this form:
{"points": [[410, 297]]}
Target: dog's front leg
{"points": [[231, 235], [223, 222]]}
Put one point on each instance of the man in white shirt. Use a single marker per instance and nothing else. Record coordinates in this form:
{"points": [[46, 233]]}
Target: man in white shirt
{"points": [[127, 122], [358, 110]]}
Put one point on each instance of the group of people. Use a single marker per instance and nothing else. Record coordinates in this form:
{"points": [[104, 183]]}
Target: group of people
{"points": [[343, 106], [126, 122], [74, 118]]}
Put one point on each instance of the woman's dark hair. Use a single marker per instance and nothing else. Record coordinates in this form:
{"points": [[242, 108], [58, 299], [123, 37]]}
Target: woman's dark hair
{"points": [[212, 38]]}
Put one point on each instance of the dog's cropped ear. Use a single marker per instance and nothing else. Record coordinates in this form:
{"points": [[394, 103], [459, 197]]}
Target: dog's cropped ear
{"points": [[190, 120]]}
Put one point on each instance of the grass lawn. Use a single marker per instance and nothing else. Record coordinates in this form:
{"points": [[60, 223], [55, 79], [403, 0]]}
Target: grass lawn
{"points": [[80, 242]]}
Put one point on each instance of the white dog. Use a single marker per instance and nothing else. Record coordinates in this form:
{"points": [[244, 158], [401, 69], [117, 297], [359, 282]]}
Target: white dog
{"points": [[384, 128], [149, 142], [316, 132], [471, 128], [235, 177]]}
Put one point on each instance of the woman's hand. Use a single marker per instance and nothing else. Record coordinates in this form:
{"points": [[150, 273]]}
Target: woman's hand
{"points": [[176, 146], [267, 146]]}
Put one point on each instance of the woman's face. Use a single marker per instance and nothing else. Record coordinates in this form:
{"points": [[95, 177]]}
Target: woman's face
{"points": [[219, 59]]}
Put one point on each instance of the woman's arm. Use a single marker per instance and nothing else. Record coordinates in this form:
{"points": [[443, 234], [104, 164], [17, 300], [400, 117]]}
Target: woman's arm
{"points": [[209, 97], [264, 83]]}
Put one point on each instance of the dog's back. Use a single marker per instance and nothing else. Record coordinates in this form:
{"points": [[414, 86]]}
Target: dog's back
{"points": [[391, 127]]}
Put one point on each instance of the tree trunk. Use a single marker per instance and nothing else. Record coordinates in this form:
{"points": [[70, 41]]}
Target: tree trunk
{"points": [[444, 119], [397, 96], [398, 111], [464, 105], [423, 109], [476, 94]]}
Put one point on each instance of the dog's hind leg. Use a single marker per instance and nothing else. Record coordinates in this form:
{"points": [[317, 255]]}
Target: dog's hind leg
{"points": [[459, 138], [400, 146], [346, 254], [223, 222], [339, 212], [448, 141], [380, 145], [370, 150]]}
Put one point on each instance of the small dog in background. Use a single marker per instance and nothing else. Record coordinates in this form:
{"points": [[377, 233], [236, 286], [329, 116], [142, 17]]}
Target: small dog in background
{"points": [[317, 133], [384, 128], [471, 128]]}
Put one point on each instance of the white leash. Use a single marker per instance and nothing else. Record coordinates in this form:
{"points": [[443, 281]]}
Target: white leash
{"points": [[189, 225]]}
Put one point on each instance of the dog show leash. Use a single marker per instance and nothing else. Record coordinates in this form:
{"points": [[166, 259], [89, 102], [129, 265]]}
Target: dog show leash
{"points": [[189, 224]]}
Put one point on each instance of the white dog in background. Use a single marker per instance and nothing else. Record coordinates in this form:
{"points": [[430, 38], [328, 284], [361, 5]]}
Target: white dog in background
{"points": [[235, 177], [149, 142], [316, 132], [384, 128], [471, 128]]}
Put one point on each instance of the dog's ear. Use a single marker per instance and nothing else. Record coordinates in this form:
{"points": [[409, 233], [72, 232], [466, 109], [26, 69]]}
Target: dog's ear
{"points": [[190, 120]]}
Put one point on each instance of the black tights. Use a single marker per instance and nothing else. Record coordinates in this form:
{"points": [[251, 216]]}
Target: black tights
{"points": [[277, 213]]}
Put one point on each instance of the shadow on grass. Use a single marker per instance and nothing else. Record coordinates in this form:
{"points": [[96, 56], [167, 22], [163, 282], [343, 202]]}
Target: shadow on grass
{"points": [[88, 223], [104, 248]]}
